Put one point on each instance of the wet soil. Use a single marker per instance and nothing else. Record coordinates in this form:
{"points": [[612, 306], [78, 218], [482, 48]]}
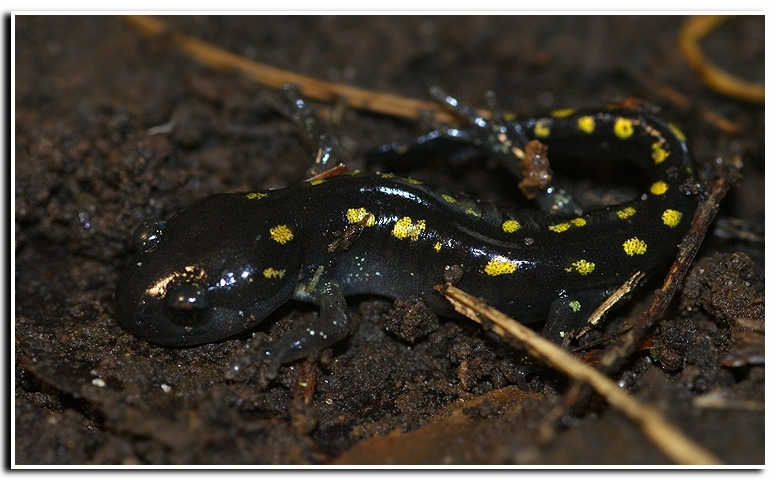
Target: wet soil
{"points": [[113, 127]]}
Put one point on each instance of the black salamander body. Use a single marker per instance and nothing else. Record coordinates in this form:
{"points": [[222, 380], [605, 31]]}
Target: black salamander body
{"points": [[222, 265]]}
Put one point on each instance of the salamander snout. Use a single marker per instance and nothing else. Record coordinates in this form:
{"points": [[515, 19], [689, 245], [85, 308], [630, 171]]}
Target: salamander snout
{"points": [[209, 272]]}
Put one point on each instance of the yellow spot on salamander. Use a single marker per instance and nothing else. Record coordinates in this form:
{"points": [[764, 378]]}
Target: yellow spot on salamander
{"points": [[281, 234], [575, 306], [509, 117], [586, 124], [387, 175], [405, 228], [582, 266], [625, 213], [316, 181], [361, 215], [510, 226], [542, 128], [563, 112], [449, 198], [473, 212], [659, 188], [623, 128], [413, 181], [671, 218], [677, 132], [634, 246], [563, 226], [273, 273], [499, 265], [659, 153], [437, 246], [255, 196]]}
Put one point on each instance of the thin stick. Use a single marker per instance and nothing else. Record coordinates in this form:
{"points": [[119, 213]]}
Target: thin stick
{"points": [[693, 30], [313, 88], [665, 436]]}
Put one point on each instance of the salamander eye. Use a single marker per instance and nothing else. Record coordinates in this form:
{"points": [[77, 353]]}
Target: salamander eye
{"points": [[148, 234], [187, 304]]}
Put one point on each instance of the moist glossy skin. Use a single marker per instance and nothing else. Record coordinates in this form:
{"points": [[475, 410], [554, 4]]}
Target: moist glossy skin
{"points": [[220, 266]]}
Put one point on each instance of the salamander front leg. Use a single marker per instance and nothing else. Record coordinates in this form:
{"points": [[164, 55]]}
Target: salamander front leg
{"points": [[332, 325], [318, 134]]}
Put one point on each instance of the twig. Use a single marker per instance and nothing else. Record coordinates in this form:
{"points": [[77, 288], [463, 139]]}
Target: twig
{"points": [[678, 99], [705, 213], [665, 436], [357, 98], [693, 30]]}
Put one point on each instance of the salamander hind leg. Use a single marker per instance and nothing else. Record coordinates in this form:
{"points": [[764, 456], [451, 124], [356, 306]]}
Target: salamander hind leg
{"points": [[332, 325], [570, 313], [504, 138]]}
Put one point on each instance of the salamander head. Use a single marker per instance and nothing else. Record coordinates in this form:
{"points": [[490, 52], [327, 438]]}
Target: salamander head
{"points": [[204, 275]]}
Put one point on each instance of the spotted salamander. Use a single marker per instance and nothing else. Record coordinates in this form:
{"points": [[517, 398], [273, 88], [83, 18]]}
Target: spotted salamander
{"points": [[222, 265]]}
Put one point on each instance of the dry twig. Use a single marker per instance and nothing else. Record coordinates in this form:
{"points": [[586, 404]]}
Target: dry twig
{"points": [[313, 88], [693, 30], [664, 435]]}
